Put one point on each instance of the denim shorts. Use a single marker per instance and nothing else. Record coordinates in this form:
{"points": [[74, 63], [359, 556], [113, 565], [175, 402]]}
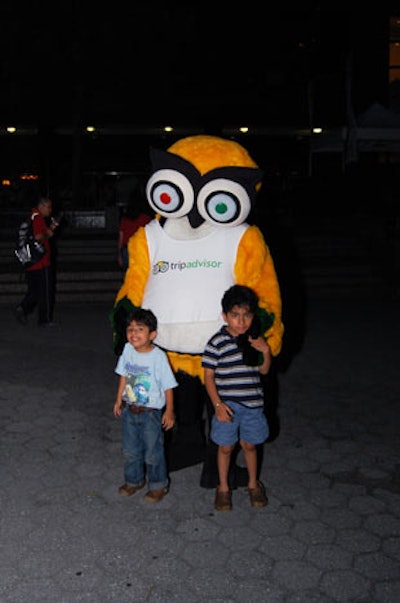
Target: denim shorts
{"points": [[248, 424]]}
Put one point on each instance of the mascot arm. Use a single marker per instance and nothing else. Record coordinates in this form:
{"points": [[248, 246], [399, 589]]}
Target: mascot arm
{"points": [[255, 268], [138, 270]]}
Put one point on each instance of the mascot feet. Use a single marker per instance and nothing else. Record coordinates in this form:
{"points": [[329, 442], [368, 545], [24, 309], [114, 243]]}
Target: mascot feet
{"points": [[185, 446]]}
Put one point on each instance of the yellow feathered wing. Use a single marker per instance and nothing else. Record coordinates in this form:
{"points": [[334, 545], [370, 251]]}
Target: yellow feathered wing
{"points": [[255, 268], [138, 270]]}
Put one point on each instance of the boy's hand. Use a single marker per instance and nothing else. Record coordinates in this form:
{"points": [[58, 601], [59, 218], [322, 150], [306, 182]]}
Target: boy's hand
{"points": [[117, 410], [168, 420], [259, 344], [223, 412]]}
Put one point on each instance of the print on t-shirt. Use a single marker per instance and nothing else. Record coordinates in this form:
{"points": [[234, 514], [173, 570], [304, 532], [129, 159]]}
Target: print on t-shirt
{"points": [[137, 389]]}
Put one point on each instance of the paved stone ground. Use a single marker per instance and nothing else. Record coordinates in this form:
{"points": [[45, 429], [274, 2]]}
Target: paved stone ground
{"points": [[331, 531]]}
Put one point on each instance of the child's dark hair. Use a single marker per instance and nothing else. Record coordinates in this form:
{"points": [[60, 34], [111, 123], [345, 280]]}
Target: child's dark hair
{"points": [[143, 317], [240, 295]]}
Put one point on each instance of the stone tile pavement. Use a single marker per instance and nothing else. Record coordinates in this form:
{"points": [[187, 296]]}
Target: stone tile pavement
{"points": [[331, 531]]}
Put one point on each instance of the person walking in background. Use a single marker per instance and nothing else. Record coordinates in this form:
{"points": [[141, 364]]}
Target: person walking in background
{"points": [[40, 277], [134, 216], [236, 392], [145, 403]]}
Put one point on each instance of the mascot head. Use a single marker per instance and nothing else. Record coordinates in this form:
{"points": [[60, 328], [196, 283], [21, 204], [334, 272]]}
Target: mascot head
{"points": [[204, 179]]}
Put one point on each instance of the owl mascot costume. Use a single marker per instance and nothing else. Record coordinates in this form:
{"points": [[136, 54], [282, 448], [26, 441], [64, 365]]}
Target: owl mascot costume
{"points": [[202, 190]]}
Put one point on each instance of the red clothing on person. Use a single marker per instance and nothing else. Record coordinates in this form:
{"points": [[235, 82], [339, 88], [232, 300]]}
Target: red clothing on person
{"points": [[40, 280], [40, 228], [128, 227]]}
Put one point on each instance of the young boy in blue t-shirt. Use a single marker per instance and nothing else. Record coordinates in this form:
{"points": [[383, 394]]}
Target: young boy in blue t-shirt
{"points": [[145, 403]]}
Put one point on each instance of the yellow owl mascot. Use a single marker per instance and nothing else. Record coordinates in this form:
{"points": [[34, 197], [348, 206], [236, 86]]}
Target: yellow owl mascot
{"points": [[202, 190]]}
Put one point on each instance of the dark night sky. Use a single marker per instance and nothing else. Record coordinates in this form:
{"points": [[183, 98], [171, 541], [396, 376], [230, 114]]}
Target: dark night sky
{"points": [[152, 63], [142, 61]]}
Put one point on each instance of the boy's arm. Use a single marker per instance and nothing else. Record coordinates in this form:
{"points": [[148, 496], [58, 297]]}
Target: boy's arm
{"points": [[168, 418], [211, 388], [118, 401], [223, 412], [266, 364], [261, 345]]}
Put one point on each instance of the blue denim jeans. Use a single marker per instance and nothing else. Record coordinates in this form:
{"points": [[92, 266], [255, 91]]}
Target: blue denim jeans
{"points": [[143, 449]]}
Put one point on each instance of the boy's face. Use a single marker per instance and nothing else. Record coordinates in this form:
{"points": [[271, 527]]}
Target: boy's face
{"points": [[238, 319], [139, 335]]}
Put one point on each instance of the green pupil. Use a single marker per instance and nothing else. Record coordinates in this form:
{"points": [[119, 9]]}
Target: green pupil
{"points": [[221, 208]]}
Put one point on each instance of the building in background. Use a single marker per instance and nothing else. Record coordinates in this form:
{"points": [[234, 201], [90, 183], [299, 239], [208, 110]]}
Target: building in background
{"points": [[90, 93]]}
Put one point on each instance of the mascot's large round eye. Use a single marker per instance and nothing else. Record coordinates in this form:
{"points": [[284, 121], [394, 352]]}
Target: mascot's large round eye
{"points": [[170, 193], [223, 201]]}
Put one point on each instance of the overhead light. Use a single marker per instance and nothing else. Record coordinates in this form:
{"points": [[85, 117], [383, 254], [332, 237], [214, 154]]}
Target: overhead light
{"points": [[168, 129], [11, 129], [244, 129], [29, 177], [90, 129], [317, 130]]}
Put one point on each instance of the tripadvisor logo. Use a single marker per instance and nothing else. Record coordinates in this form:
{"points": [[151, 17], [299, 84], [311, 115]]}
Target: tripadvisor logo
{"points": [[161, 266]]}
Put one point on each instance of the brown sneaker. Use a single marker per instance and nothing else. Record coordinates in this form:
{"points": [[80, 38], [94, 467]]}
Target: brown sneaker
{"points": [[155, 496], [223, 500], [126, 490], [257, 495]]}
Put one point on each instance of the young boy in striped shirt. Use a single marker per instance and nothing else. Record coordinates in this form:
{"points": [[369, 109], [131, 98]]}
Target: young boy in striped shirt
{"points": [[236, 392]]}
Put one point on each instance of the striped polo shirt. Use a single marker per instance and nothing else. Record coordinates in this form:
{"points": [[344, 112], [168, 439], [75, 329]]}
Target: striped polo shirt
{"points": [[235, 381]]}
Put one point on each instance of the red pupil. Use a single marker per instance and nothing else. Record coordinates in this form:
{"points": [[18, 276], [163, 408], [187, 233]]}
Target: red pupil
{"points": [[165, 198]]}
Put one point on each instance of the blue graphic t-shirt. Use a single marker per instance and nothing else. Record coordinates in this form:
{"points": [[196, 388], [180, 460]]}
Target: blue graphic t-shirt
{"points": [[147, 376]]}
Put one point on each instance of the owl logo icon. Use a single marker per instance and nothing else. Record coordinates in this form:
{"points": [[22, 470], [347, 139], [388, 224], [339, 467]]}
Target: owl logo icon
{"points": [[160, 267]]}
